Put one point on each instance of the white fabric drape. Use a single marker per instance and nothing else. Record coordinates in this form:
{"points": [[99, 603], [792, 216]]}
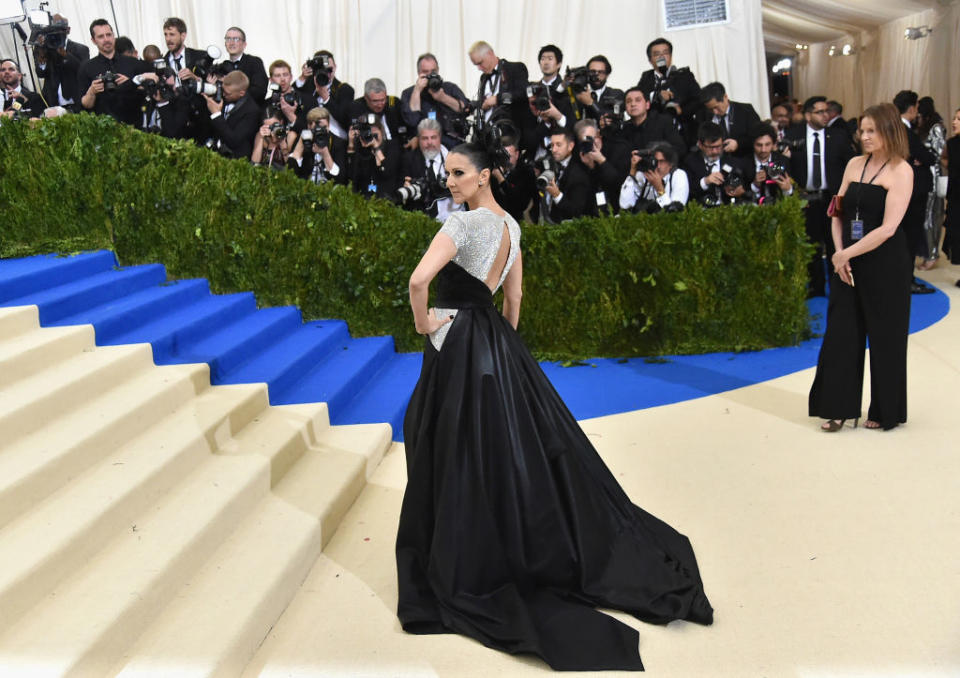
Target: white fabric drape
{"points": [[886, 63], [382, 38]]}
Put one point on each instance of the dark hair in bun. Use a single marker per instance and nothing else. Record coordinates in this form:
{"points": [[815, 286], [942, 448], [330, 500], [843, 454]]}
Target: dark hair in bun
{"points": [[486, 151]]}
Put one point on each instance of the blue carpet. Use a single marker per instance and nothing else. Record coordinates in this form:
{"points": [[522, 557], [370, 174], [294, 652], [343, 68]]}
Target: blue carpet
{"points": [[362, 380]]}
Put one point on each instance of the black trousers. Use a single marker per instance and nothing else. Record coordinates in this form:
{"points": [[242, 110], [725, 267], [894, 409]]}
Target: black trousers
{"points": [[819, 235]]}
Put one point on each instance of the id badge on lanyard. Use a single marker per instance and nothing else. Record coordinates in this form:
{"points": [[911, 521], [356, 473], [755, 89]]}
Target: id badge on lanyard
{"points": [[856, 227]]}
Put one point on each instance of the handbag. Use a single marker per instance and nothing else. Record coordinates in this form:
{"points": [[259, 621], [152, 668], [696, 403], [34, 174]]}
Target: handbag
{"points": [[835, 208]]}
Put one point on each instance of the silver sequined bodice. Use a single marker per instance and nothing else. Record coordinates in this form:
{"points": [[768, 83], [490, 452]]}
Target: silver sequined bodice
{"points": [[477, 236]]}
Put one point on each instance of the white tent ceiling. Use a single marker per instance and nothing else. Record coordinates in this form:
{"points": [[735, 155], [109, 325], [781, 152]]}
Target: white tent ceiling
{"points": [[788, 22]]}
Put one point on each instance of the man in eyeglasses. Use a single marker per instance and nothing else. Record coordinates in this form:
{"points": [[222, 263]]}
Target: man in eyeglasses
{"points": [[235, 41]]}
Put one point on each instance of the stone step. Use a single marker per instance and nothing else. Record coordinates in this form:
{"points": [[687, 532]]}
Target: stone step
{"points": [[33, 351], [57, 536], [87, 623], [16, 320], [27, 405]]}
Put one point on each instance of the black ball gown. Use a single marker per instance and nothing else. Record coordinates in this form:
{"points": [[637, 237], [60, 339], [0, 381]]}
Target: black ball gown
{"points": [[512, 528]]}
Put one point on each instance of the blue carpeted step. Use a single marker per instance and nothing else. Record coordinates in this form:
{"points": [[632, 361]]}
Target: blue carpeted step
{"points": [[125, 313], [241, 340], [288, 359], [73, 297], [338, 378], [22, 277], [171, 333], [385, 397]]}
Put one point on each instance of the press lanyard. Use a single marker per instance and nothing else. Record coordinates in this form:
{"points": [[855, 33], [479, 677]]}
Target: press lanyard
{"points": [[862, 175]]}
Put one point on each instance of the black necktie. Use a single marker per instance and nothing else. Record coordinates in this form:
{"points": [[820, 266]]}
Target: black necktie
{"points": [[817, 175], [176, 60], [723, 126], [594, 95]]}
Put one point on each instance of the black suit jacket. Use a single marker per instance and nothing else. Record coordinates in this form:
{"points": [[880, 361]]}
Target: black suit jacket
{"points": [[60, 72], [513, 80], [742, 119], [680, 81], [399, 132], [252, 67], [656, 127], [338, 151], [341, 98], [238, 129], [578, 199], [837, 150]]}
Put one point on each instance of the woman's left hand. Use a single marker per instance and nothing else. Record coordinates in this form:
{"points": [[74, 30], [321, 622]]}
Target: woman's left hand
{"points": [[841, 264], [432, 323]]}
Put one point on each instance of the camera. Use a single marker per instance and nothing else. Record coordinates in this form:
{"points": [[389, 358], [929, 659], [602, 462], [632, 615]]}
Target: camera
{"points": [[434, 82], [191, 87], [320, 65], [364, 126], [546, 176], [585, 146], [278, 130], [204, 65], [578, 79], [45, 31], [317, 137], [109, 79], [646, 162], [732, 177], [423, 190], [275, 96], [775, 169], [541, 97]]}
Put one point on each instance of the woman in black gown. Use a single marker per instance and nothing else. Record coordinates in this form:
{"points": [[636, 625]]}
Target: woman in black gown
{"points": [[870, 287], [512, 529], [951, 157]]}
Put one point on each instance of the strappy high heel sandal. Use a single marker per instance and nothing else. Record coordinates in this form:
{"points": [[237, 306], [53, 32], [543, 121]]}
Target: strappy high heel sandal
{"points": [[834, 425]]}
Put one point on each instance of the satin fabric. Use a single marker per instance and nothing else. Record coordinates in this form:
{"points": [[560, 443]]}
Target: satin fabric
{"points": [[512, 529]]}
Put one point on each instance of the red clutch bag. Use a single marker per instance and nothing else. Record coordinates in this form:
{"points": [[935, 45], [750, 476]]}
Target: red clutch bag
{"points": [[835, 208]]}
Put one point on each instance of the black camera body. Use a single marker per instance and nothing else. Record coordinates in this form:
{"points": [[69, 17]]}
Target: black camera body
{"points": [[109, 79], [647, 162], [317, 137], [364, 126], [423, 190], [434, 82], [278, 130], [775, 169], [540, 95], [578, 79], [322, 72], [732, 177]]}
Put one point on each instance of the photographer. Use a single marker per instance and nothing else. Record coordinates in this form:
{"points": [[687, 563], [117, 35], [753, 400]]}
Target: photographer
{"points": [[515, 187], [670, 90], [163, 112], [503, 92], [424, 186], [644, 126], [771, 180], [716, 177], [18, 102], [606, 174], [565, 185], [283, 100], [655, 182], [234, 120], [235, 42], [373, 167], [376, 101], [58, 62], [734, 118], [106, 79], [603, 104], [318, 86], [319, 155], [432, 97], [273, 143]]}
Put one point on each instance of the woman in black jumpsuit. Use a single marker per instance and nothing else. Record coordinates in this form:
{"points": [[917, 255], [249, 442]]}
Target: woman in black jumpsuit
{"points": [[870, 286]]}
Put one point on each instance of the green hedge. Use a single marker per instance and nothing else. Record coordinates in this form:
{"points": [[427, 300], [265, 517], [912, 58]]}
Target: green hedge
{"points": [[700, 280]]}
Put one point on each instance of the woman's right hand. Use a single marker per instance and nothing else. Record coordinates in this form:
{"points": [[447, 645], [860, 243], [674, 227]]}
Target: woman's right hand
{"points": [[432, 322]]}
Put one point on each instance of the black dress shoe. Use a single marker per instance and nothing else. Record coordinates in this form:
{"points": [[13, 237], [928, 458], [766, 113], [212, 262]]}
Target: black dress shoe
{"points": [[917, 288]]}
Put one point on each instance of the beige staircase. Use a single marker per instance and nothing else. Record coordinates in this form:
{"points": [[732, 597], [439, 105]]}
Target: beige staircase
{"points": [[150, 524]]}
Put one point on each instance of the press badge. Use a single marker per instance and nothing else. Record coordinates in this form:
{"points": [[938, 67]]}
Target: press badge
{"points": [[432, 115], [601, 199], [372, 187], [856, 229]]}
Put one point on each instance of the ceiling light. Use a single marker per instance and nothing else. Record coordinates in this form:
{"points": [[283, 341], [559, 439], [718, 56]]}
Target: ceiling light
{"points": [[783, 65], [917, 32], [847, 50]]}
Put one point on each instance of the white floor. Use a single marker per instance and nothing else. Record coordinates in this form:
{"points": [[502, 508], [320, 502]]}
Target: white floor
{"points": [[823, 554]]}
